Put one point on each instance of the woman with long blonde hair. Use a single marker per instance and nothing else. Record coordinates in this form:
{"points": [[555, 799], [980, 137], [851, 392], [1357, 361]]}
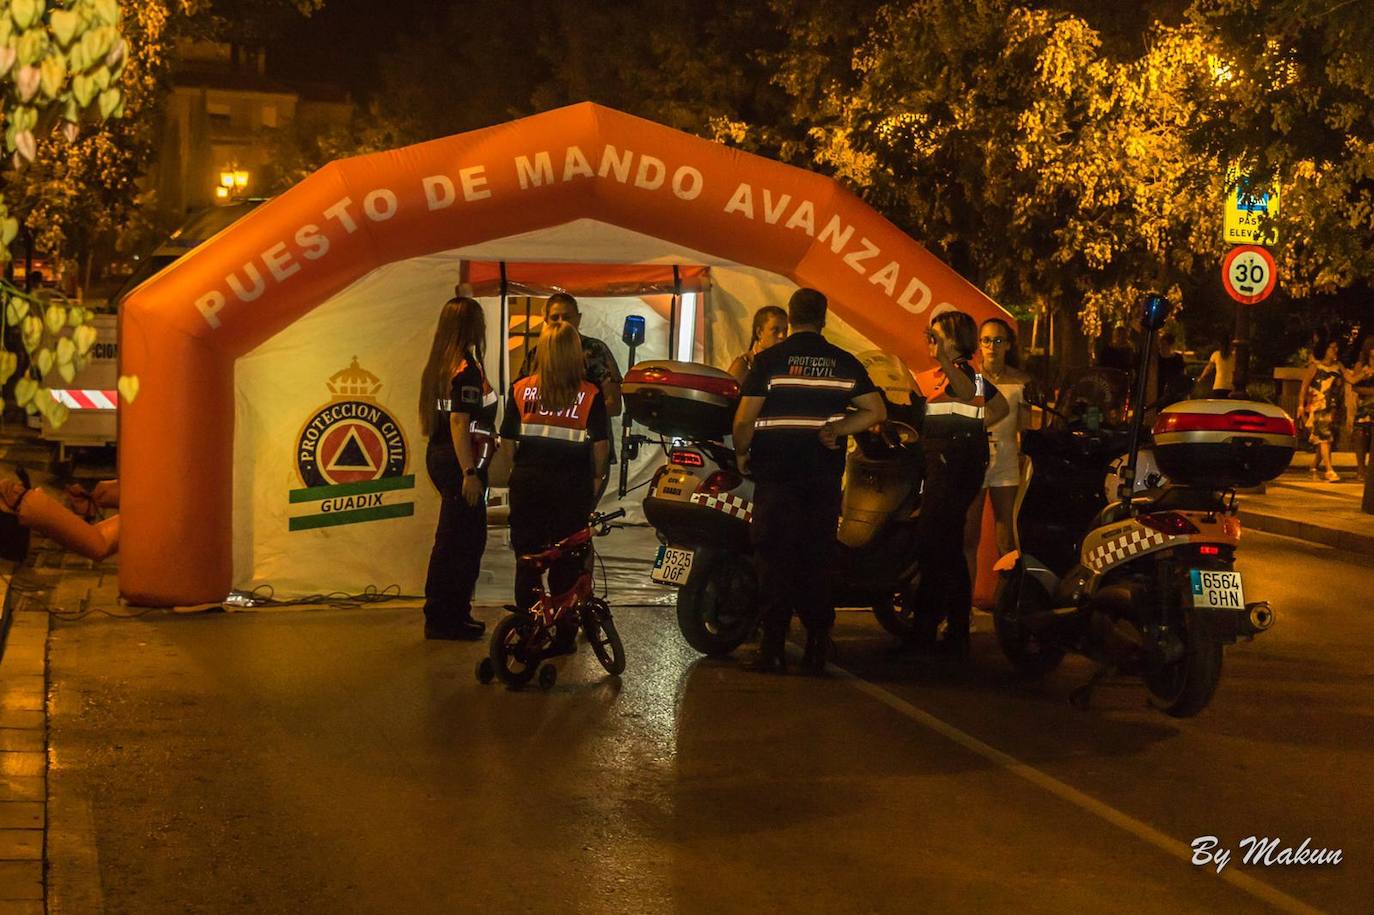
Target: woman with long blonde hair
{"points": [[457, 412], [555, 433]]}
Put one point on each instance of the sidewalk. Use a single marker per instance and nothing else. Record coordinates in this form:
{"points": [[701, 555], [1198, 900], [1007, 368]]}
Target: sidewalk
{"points": [[1295, 505]]}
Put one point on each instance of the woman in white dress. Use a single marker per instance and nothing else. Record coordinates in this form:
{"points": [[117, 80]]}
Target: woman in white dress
{"points": [[1000, 364]]}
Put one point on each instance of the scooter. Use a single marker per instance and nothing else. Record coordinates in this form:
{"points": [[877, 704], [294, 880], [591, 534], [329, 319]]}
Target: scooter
{"points": [[701, 507], [1146, 584]]}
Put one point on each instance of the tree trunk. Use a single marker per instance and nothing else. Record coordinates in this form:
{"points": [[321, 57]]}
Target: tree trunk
{"points": [[1071, 346], [86, 276]]}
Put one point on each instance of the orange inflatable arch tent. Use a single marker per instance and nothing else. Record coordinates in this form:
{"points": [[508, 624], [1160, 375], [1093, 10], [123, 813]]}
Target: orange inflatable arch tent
{"points": [[182, 331]]}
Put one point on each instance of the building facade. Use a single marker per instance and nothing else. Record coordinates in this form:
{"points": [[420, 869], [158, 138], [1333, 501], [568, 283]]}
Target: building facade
{"points": [[224, 123]]}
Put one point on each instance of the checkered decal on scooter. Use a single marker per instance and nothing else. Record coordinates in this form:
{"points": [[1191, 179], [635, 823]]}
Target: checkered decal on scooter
{"points": [[733, 506], [1124, 547]]}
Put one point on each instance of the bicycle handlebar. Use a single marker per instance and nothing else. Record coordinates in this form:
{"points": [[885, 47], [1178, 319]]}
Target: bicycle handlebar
{"points": [[596, 520]]}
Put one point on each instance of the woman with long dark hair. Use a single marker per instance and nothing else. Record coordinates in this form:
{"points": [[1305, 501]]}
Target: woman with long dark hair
{"points": [[770, 327], [960, 407], [1001, 365], [1219, 375], [556, 434], [457, 412]]}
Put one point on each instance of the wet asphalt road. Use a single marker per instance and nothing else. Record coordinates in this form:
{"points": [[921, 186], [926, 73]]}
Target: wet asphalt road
{"points": [[332, 761]]}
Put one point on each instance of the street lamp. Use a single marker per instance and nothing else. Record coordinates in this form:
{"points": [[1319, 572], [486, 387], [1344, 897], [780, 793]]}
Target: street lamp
{"points": [[232, 182]]}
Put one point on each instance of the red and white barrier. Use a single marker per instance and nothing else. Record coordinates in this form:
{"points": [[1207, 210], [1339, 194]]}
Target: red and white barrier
{"points": [[85, 399]]}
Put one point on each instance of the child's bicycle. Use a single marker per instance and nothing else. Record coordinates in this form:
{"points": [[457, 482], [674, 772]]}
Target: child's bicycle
{"points": [[521, 642]]}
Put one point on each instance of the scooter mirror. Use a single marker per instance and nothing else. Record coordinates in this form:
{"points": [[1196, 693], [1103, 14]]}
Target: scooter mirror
{"points": [[633, 334], [1154, 310]]}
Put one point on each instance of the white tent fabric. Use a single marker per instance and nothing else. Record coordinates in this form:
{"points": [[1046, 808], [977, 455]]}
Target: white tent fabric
{"points": [[386, 321]]}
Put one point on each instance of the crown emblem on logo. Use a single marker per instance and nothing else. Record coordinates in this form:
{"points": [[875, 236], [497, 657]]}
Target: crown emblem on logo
{"points": [[354, 381]]}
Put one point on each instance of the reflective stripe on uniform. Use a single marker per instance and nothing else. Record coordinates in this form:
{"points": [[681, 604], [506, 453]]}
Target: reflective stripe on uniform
{"points": [[557, 433], [798, 381], [955, 408], [790, 422]]}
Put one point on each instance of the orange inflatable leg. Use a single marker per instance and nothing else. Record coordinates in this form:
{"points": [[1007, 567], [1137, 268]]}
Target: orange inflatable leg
{"points": [[985, 582], [41, 512]]}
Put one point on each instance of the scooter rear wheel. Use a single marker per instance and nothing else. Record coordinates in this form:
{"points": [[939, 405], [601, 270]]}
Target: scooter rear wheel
{"points": [[718, 610], [1185, 687]]}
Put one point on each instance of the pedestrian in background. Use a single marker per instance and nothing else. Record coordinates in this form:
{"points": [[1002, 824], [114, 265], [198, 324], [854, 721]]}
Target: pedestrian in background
{"points": [[1361, 379], [961, 405], [790, 435], [1219, 375], [457, 412], [1319, 402], [1172, 381], [770, 328], [1118, 353]]}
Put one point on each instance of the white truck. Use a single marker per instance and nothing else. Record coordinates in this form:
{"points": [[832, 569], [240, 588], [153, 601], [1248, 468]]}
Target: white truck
{"points": [[91, 396]]}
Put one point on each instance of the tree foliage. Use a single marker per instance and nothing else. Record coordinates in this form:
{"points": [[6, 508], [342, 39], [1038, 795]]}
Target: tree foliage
{"points": [[60, 61], [1297, 104], [94, 77]]}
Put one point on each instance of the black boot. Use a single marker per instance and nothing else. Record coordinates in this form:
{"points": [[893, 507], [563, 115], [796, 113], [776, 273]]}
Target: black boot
{"points": [[955, 645], [458, 630], [820, 650], [769, 659]]}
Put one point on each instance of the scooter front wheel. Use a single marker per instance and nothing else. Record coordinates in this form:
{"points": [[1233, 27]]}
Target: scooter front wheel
{"points": [[1017, 596], [898, 616]]}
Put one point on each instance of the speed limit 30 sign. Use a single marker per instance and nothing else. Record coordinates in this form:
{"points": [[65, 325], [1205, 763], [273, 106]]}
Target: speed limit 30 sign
{"points": [[1249, 274]]}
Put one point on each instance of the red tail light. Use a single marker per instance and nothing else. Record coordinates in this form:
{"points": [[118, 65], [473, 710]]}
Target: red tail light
{"points": [[1168, 523], [721, 481], [1208, 550], [724, 387], [1235, 421], [687, 459]]}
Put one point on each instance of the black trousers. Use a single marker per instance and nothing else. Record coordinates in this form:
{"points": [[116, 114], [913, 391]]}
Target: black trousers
{"points": [[954, 476], [546, 505], [793, 533], [459, 541]]}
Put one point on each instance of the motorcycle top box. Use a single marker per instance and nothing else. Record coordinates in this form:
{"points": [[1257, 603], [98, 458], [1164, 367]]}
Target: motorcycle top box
{"points": [[1223, 443], [681, 399]]}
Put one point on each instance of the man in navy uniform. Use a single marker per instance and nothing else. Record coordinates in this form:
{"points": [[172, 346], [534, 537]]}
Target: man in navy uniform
{"points": [[799, 402]]}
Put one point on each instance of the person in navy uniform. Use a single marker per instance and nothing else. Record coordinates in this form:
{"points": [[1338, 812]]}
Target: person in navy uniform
{"points": [[599, 363], [800, 400], [960, 407], [457, 414], [556, 433]]}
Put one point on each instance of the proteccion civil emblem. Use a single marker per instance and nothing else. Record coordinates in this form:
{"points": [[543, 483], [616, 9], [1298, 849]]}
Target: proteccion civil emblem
{"points": [[351, 456]]}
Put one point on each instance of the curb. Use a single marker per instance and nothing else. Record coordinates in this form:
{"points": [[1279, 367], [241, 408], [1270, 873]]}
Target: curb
{"points": [[1349, 541], [23, 763]]}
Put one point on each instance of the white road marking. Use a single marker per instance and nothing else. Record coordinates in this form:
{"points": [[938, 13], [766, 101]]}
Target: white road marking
{"points": [[1256, 888]]}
